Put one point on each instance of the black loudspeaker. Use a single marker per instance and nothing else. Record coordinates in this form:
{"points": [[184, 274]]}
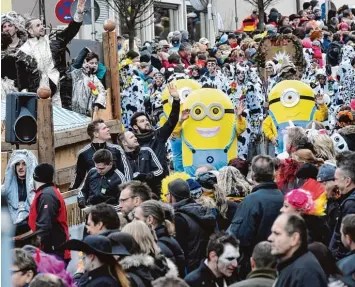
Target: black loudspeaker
{"points": [[21, 118]]}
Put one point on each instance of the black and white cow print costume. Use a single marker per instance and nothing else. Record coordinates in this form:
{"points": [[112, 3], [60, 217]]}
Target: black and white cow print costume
{"points": [[329, 88], [254, 101], [219, 81], [309, 74], [237, 87], [132, 98], [346, 75]]}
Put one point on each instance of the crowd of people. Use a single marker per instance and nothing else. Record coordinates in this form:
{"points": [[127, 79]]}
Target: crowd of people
{"points": [[277, 216]]}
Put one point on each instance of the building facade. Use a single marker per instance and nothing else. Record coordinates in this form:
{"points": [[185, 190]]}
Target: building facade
{"points": [[169, 15]]}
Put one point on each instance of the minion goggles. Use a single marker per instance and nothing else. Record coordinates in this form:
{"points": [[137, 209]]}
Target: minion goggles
{"points": [[214, 111], [290, 98]]}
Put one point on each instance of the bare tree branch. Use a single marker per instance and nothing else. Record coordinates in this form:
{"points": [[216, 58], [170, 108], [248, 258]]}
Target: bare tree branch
{"points": [[134, 13]]}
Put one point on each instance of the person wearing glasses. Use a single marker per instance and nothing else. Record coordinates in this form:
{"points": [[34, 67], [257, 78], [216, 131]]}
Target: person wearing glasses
{"points": [[23, 268], [132, 195]]}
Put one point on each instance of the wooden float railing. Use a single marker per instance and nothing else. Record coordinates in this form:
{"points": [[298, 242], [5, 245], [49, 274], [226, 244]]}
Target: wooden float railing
{"points": [[75, 215]]}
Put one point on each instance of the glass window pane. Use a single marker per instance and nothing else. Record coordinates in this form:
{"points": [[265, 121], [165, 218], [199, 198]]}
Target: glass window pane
{"points": [[162, 22]]}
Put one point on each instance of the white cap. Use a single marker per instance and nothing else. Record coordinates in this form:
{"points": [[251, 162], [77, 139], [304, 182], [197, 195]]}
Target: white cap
{"points": [[204, 41], [191, 15]]}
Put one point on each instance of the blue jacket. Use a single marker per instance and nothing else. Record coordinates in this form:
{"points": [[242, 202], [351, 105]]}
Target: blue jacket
{"points": [[302, 269], [346, 207], [347, 264], [252, 222], [256, 213]]}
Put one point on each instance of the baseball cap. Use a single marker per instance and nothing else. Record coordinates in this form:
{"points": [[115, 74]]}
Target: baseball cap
{"points": [[204, 41], [326, 173], [163, 43]]}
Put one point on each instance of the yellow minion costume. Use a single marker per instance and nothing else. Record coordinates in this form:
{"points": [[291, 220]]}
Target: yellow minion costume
{"points": [[184, 87], [209, 135], [291, 100]]}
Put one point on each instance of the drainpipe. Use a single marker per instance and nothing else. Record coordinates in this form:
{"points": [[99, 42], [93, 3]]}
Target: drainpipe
{"points": [[236, 14], [93, 31], [298, 6], [211, 35]]}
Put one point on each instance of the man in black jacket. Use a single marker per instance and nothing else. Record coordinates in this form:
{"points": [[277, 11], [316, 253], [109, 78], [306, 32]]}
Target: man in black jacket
{"points": [[144, 164], [257, 212], [99, 134], [218, 268], [102, 181], [48, 212], [157, 139], [41, 60], [194, 223], [296, 265], [345, 180]]}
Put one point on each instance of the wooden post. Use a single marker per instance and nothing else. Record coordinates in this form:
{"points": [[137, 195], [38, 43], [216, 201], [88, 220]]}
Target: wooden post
{"points": [[45, 132], [109, 40]]}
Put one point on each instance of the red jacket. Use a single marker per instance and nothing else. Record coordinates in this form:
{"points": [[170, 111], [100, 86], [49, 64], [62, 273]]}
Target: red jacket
{"points": [[48, 213]]}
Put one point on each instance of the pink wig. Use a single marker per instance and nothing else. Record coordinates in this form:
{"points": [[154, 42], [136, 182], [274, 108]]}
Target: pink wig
{"points": [[47, 263], [300, 199]]}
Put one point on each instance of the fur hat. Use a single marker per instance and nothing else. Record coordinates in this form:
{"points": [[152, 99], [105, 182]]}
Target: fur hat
{"points": [[344, 139]]}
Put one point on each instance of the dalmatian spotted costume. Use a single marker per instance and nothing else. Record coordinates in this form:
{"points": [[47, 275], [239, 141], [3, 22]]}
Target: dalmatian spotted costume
{"points": [[331, 93], [254, 100], [228, 71], [177, 76], [309, 74], [273, 78], [132, 97], [238, 86], [219, 81], [346, 74]]}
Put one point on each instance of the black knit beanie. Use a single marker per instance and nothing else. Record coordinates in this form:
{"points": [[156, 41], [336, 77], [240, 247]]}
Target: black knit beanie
{"points": [[44, 172]]}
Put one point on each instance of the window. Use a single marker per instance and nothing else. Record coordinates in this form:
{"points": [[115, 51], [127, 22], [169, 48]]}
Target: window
{"points": [[165, 20], [196, 23]]}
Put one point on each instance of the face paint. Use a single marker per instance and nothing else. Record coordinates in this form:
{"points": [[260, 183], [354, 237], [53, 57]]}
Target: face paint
{"points": [[227, 262]]}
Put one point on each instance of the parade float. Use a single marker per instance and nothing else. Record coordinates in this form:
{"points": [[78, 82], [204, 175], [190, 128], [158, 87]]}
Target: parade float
{"points": [[61, 134]]}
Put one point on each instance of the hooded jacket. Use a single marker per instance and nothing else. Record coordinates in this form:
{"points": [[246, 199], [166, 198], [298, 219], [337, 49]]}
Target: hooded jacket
{"points": [[194, 224], [147, 269], [171, 248], [10, 188]]}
